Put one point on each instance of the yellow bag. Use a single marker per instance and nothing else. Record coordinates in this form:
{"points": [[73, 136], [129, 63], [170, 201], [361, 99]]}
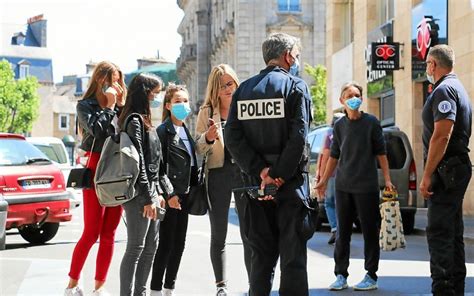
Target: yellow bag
{"points": [[391, 230]]}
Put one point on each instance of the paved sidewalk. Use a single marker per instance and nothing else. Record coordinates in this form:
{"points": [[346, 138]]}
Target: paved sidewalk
{"points": [[421, 221]]}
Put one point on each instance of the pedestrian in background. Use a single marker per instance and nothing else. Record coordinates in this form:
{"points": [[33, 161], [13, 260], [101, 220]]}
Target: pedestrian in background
{"points": [[97, 116], [330, 195], [357, 144], [447, 121], [142, 211], [222, 174], [269, 147], [179, 157]]}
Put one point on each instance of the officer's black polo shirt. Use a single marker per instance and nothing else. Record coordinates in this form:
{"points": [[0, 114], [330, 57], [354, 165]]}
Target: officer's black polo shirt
{"points": [[448, 100]]}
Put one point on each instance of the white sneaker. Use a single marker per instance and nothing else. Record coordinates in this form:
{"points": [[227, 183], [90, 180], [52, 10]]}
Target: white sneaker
{"points": [[100, 292], [76, 291], [167, 292], [155, 293]]}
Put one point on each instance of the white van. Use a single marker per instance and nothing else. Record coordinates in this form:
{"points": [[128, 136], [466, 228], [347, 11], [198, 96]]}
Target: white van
{"points": [[55, 150]]}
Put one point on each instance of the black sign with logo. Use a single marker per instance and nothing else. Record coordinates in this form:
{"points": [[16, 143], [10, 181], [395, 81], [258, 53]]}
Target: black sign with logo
{"points": [[385, 56]]}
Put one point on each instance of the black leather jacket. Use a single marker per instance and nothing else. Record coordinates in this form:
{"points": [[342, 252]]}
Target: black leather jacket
{"points": [[151, 164], [176, 157], [95, 122]]}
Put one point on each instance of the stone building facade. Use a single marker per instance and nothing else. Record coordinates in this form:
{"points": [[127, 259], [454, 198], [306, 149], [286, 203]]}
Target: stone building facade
{"points": [[232, 32], [397, 97]]}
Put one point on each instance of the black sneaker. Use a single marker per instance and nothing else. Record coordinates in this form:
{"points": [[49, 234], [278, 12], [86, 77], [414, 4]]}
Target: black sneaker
{"points": [[332, 239]]}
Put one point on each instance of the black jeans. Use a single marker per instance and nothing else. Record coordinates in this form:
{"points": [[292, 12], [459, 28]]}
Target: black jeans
{"points": [[445, 233], [348, 205], [221, 181], [170, 247], [273, 230]]}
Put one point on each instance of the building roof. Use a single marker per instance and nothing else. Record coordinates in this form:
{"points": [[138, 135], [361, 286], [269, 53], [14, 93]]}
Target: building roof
{"points": [[7, 31], [62, 104], [167, 72]]}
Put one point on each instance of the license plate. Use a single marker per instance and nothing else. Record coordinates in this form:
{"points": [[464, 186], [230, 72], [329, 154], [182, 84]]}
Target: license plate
{"points": [[36, 184]]}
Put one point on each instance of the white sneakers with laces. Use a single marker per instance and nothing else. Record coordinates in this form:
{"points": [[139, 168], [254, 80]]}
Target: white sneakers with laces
{"points": [[167, 292], [76, 291]]}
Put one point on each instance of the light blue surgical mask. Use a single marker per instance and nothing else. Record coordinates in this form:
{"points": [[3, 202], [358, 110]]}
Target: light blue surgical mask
{"points": [[180, 110], [354, 103], [430, 78], [155, 103], [295, 68]]}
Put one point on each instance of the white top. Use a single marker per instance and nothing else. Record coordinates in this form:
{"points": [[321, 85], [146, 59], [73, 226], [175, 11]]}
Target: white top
{"points": [[184, 137]]}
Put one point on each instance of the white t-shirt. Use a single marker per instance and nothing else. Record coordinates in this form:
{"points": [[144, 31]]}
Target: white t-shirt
{"points": [[184, 137]]}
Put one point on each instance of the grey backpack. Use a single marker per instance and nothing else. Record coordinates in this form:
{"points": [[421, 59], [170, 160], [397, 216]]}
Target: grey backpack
{"points": [[118, 168]]}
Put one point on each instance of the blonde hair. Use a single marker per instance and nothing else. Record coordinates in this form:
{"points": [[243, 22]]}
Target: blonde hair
{"points": [[103, 70], [214, 84], [171, 89]]}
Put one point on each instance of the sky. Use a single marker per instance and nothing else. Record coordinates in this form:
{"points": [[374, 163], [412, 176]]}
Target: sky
{"points": [[116, 30]]}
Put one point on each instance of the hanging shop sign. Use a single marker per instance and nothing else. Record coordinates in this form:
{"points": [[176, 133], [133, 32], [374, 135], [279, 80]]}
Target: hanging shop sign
{"points": [[385, 56]]}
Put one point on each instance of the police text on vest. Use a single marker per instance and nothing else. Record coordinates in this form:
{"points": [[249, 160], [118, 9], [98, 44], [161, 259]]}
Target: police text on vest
{"points": [[261, 109]]}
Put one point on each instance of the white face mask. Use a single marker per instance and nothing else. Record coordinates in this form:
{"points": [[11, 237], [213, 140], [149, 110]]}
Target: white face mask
{"points": [[430, 78]]}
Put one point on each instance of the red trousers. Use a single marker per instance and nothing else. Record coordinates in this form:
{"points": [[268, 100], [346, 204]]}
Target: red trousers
{"points": [[99, 222]]}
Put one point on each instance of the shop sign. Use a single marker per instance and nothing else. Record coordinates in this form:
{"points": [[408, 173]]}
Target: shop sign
{"points": [[385, 56]]}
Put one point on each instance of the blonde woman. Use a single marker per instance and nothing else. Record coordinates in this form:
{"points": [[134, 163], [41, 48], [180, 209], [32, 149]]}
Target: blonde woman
{"points": [[221, 172]]}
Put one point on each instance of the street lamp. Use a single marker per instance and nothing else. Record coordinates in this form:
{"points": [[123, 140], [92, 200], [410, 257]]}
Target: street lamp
{"points": [[70, 143]]}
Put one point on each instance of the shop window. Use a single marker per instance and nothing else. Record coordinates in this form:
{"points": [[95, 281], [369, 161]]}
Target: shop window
{"points": [[347, 22], [63, 121], [387, 109], [385, 11], [289, 5]]}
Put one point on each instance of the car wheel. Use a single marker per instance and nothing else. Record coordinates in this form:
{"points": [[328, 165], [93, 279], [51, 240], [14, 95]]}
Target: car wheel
{"points": [[39, 235], [408, 219]]}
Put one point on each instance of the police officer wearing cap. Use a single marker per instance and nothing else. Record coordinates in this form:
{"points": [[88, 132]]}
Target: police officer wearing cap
{"points": [[266, 134], [447, 119]]}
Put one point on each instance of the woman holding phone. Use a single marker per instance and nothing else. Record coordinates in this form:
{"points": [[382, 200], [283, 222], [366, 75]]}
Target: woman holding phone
{"points": [[222, 174]]}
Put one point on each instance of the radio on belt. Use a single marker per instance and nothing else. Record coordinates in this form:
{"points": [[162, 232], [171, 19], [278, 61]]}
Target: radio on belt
{"points": [[261, 109]]}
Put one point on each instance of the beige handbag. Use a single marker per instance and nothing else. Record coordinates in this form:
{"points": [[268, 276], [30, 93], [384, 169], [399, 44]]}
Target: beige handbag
{"points": [[391, 230]]}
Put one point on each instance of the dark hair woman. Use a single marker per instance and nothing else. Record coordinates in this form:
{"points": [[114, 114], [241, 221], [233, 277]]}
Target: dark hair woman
{"points": [[141, 211]]}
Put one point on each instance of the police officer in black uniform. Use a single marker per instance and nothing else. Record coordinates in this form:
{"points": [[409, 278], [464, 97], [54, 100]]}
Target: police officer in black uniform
{"points": [[266, 134], [447, 119]]}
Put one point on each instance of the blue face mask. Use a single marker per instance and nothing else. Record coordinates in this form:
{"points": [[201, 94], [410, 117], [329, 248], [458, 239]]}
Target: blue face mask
{"points": [[295, 68], [156, 102], [354, 103], [180, 110]]}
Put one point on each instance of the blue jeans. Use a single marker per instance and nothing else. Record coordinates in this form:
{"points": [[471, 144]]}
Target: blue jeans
{"points": [[142, 240], [330, 203]]}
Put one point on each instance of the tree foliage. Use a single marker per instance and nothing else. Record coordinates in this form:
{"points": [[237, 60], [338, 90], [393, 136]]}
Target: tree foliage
{"points": [[318, 92], [19, 101]]}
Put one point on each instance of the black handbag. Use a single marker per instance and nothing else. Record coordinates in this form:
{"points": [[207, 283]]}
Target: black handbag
{"points": [[197, 199], [81, 178]]}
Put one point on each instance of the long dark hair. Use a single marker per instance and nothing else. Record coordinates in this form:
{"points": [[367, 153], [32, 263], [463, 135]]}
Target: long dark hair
{"points": [[137, 98]]}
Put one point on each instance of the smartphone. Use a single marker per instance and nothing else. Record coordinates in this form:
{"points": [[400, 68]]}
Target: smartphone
{"points": [[111, 90], [161, 212]]}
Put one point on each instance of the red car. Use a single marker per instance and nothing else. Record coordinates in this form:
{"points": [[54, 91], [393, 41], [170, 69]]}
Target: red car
{"points": [[34, 189]]}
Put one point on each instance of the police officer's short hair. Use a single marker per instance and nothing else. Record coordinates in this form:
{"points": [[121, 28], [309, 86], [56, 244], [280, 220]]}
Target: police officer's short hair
{"points": [[443, 54], [277, 44]]}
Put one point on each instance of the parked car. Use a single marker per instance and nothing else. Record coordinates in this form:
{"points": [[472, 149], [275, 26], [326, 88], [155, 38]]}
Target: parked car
{"points": [[401, 164], [55, 150], [34, 189]]}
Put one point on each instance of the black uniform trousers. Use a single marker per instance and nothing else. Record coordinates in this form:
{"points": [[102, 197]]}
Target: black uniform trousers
{"points": [[241, 202], [348, 206], [445, 232], [273, 230]]}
